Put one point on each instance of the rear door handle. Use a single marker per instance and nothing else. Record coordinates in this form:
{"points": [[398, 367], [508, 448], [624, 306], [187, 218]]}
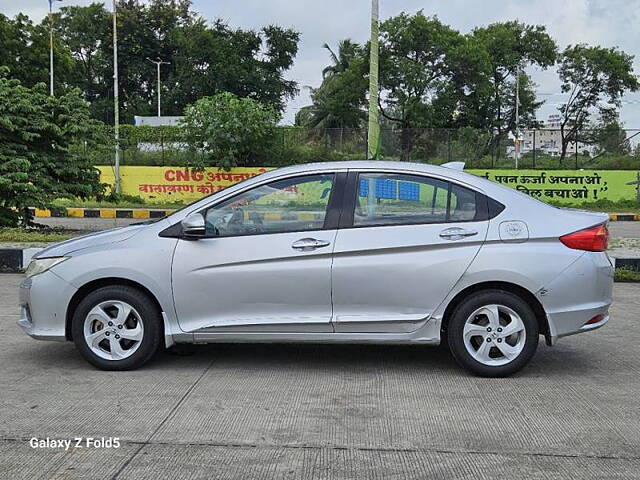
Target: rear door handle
{"points": [[457, 233], [308, 244]]}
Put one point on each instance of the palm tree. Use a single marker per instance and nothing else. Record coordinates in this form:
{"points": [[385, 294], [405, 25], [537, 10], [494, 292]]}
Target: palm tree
{"points": [[347, 51]]}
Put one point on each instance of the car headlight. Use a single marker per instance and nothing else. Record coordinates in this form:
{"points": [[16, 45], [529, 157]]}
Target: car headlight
{"points": [[41, 265]]}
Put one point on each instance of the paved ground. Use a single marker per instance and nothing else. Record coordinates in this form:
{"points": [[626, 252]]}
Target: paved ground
{"points": [[291, 412], [624, 229]]}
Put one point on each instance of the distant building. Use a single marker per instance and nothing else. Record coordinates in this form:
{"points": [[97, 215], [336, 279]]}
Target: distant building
{"points": [[139, 120], [158, 122], [547, 140]]}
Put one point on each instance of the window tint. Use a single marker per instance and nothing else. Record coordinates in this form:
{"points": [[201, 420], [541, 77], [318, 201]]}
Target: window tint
{"points": [[292, 205], [391, 199], [462, 207]]}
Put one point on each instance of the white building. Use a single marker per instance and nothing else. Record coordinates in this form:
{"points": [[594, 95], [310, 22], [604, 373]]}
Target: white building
{"points": [[547, 140], [139, 120], [158, 122]]}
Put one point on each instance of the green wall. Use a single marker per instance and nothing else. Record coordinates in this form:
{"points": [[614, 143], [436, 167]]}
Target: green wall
{"points": [[567, 186]]}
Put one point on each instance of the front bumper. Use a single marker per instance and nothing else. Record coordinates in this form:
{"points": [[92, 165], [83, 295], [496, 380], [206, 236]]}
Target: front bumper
{"points": [[43, 301], [582, 292]]}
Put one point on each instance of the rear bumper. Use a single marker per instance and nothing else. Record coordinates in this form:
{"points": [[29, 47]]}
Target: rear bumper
{"points": [[582, 292], [43, 300]]}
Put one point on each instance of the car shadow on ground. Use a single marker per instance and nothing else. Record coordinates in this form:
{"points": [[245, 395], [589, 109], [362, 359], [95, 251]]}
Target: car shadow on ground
{"points": [[559, 360]]}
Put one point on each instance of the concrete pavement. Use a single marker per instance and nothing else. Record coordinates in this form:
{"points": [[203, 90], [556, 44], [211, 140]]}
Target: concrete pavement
{"points": [[291, 411]]}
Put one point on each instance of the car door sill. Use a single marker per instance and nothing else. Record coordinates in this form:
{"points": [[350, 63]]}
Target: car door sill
{"points": [[423, 337]]}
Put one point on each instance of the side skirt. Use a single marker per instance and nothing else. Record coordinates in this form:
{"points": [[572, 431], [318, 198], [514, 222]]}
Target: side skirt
{"points": [[429, 334]]}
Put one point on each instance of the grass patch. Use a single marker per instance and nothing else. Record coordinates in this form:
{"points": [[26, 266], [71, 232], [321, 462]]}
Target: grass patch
{"points": [[609, 206], [627, 275], [21, 235]]}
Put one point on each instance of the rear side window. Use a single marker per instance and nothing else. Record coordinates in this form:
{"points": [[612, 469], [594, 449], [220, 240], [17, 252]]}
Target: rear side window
{"points": [[396, 199]]}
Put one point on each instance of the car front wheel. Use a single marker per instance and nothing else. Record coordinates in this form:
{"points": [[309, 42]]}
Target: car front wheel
{"points": [[493, 333], [117, 328]]}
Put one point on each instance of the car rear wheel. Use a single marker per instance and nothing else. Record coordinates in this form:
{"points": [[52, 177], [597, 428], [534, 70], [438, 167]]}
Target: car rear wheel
{"points": [[493, 333], [117, 328]]}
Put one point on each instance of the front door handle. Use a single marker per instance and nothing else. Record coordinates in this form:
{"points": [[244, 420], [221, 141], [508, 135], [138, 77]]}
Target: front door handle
{"points": [[457, 233], [308, 244]]}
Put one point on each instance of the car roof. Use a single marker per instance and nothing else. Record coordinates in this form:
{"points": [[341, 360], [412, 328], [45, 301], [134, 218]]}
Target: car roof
{"points": [[359, 164]]}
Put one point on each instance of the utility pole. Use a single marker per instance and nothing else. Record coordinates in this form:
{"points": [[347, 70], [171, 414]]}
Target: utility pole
{"points": [[517, 132], [116, 103], [51, 45], [373, 136], [158, 62]]}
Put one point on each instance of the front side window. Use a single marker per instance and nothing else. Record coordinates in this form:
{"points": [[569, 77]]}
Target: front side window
{"points": [[292, 205], [392, 199]]}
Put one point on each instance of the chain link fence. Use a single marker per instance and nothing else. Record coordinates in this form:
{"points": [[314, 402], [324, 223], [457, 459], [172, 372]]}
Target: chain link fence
{"points": [[539, 148]]}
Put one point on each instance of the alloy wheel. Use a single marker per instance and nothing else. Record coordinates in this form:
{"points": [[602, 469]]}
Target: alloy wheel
{"points": [[113, 330], [494, 335]]}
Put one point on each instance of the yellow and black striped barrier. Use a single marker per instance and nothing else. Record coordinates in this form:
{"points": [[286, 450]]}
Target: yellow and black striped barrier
{"points": [[141, 213], [624, 217]]}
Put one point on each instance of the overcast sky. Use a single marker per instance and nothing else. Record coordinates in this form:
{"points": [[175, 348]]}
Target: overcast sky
{"points": [[603, 22]]}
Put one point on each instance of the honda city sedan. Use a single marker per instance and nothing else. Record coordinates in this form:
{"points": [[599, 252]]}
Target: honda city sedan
{"points": [[351, 252]]}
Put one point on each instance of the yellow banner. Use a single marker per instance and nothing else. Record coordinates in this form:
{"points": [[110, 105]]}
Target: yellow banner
{"points": [[179, 184], [175, 184]]}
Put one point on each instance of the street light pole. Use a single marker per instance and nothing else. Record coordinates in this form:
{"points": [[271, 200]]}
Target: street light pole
{"points": [[116, 103], [159, 62], [517, 132], [51, 45]]}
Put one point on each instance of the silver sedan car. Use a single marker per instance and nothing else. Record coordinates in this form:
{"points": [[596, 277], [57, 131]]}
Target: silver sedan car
{"points": [[353, 252]]}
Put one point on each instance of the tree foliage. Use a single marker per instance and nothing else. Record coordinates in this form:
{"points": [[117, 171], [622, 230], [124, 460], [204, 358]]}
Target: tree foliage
{"points": [[591, 75], [509, 48], [432, 76], [607, 134], [205, 58], [230, 130], [339, 101], [42, 140]]}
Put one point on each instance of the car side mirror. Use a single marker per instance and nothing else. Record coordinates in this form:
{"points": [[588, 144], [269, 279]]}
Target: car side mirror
{"points": [[193, 226]]}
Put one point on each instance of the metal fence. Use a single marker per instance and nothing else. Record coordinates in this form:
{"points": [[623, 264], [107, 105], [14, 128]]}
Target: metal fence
{"points": [[539, 148]]}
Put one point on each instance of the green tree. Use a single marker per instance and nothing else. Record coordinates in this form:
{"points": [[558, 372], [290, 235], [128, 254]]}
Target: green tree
{"points": [[510, 47], [85, 31], [24, 48], [230, 130], [347, 52], [216, 58], [591, 75], [340, 100], [41, 148], [205, 59], [608, 134], [416, 73]]}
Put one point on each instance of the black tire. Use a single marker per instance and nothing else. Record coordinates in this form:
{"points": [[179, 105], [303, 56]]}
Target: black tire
{"points": [[151, 317], [467, 307]]}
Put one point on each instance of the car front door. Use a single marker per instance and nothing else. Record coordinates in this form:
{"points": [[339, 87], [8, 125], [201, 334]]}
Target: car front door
{"points": [[404, 242], [265, 262]]}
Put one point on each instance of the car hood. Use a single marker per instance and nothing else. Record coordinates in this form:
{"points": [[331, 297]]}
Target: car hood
{"points": [[92, 240]]}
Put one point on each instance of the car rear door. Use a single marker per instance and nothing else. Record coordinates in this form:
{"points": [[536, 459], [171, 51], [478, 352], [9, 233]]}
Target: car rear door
{"points": [[403, 243]]}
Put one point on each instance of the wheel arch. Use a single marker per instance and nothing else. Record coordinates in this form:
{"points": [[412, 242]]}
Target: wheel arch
{"points": [[522, 292], [99, 283]]}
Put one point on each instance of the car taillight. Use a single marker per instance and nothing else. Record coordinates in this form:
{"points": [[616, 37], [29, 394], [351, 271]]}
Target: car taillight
{"points": [[592, 239]]}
